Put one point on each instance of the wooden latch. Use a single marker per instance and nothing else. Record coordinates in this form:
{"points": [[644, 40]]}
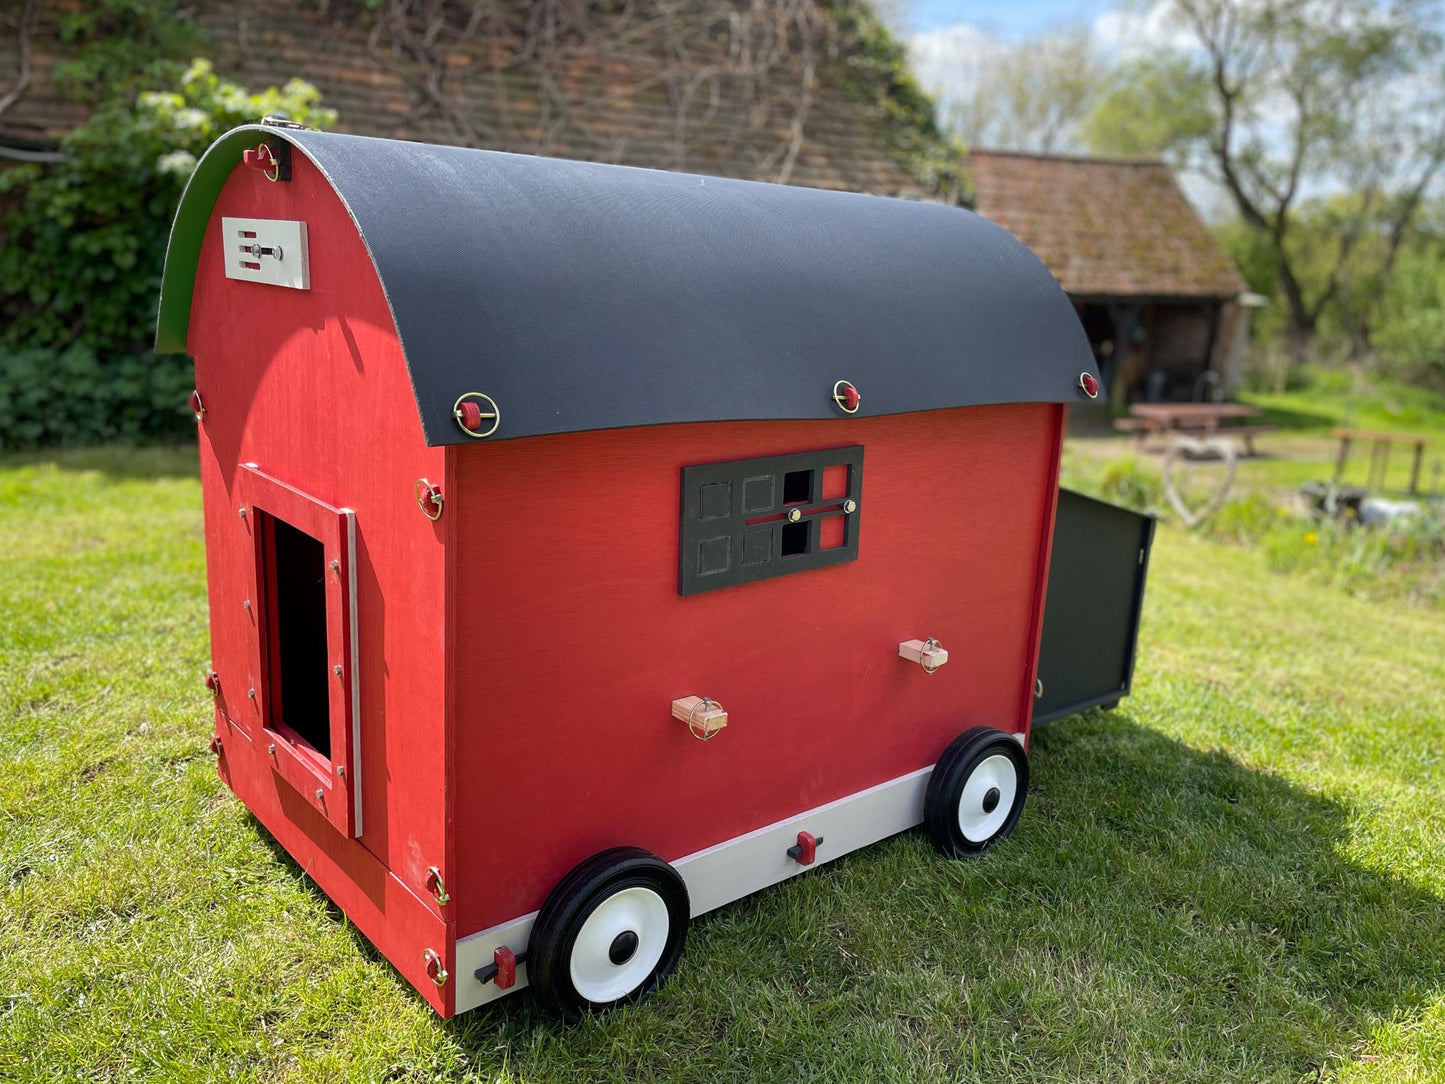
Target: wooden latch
{"points": [[703, 717], [928, 654]]}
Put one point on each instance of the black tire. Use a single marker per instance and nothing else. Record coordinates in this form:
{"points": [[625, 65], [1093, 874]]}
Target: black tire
{"points": [[630, 881], [964, 822]]}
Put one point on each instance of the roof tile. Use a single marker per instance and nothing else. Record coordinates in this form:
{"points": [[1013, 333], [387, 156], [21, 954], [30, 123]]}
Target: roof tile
{"points": [[1104, 227]]}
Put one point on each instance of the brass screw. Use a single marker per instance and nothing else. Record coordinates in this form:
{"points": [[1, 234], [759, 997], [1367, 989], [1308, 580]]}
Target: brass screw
{"points": [[336, 670], [271, 749], [335, 565], [794, 514], [341, 770], [246, 605], [242, 512], [251, 693], [850, 506], [320, 795]]}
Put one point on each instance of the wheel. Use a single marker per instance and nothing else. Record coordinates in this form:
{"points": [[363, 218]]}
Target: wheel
{"points": [[610, 933], [976, 792]]}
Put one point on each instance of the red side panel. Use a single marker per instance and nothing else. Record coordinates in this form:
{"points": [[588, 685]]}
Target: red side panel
{"points": [[572, 640], [310, 385]]}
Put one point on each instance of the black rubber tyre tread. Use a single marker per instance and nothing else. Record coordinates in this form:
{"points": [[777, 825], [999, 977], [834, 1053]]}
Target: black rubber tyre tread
{"points": [[940, 803], [550, 947]]}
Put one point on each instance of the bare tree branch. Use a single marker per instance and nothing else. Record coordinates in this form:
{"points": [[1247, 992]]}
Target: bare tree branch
{"points": [[24, 25]]}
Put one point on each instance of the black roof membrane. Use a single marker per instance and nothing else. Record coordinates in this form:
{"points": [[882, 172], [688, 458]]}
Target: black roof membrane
{"points": [[579, 295]]}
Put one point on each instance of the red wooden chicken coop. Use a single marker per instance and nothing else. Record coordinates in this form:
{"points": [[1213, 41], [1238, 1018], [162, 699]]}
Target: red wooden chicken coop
{"points": [[589, 547]]}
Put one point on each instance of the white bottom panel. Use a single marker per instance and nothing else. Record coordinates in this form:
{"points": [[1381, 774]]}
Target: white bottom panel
{"points": [[738, 867], [731, 869]]}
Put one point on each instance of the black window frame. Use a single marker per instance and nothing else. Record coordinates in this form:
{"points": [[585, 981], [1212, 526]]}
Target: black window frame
{"points": [[734, 518]]}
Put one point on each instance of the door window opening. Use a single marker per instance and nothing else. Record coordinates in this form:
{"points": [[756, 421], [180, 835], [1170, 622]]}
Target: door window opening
{"points": [[300, 681]]}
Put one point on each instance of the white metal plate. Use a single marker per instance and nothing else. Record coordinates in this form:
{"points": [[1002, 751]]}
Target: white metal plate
{"points": [[269, 250]]}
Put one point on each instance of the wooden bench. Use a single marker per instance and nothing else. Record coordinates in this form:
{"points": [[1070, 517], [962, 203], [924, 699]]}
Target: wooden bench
{"points": [[1142, 427], [1380, 444]]}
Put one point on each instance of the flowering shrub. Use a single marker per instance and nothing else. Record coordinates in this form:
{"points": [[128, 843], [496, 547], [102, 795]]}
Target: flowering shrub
{"points": [[82, 243]]}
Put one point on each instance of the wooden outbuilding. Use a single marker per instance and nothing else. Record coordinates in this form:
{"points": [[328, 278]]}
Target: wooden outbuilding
{"points": [[1158, 297]]}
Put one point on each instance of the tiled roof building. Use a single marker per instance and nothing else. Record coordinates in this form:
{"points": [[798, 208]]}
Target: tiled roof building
{"points": [[761, 89], [1156, 293]]}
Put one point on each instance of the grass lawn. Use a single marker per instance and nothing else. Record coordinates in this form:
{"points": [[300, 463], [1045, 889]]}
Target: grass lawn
{"points": [[1237, 875]]}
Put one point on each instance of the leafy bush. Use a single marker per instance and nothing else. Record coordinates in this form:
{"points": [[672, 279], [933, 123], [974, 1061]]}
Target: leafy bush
{"points": [[1126, 482], [68, 397], [1246, 520], [1405, 558], [83, 243]]}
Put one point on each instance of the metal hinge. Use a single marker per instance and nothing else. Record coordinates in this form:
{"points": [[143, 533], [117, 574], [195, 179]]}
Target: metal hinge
{"points": [[279, 120]]}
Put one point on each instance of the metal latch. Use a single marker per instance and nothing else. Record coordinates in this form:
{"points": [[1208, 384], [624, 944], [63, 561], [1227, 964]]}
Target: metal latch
{"points": [[269, 250]]}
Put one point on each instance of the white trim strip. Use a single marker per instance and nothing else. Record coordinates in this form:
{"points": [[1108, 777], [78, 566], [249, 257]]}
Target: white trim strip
{"points": [[351, 608], [732, 869]]}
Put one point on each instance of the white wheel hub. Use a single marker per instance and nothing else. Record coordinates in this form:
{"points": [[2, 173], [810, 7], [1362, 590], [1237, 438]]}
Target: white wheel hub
{"points": [[987, 798], [619, 944]]}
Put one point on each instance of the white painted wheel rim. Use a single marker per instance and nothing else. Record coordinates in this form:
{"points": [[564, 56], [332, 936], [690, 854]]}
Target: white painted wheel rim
{"points": [[977, 824], [594, 975]]}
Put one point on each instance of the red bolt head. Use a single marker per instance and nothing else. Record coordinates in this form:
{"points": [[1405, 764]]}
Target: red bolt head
{"points": [[213, 682], [1090, 385], [851, 397]]}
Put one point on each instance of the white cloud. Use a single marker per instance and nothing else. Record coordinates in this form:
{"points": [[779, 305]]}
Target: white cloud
{"points": [[949, 61], [1127, 33]]}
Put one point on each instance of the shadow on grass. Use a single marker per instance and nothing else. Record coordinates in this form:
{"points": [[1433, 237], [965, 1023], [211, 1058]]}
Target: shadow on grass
{"points": [[119, 462], [1161, 912]]}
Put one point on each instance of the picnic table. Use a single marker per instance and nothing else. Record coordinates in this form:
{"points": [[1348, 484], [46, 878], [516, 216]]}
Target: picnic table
{"points": [[1147, 418], [1380, 444]]}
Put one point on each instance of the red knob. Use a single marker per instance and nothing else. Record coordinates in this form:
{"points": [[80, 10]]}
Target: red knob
{"points": [[471, 415], [805, 851], [851, 397], [1090, 383], [506, 961]]}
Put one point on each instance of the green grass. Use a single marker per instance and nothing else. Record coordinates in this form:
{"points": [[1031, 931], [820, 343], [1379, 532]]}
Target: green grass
{"points": [[1331, 397], [1237, 875]]}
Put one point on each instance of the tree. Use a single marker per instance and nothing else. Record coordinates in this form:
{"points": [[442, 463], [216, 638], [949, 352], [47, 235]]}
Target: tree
{"points": [[1282, 99], [1410, 337], [1029, 97]]}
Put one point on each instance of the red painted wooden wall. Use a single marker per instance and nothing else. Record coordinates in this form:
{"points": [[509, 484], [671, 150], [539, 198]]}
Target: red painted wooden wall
{"points": [[311, 386], [572, 639]]}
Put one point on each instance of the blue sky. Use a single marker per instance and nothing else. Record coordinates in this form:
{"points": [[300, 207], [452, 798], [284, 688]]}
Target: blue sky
{"points": [[1009, 19]]}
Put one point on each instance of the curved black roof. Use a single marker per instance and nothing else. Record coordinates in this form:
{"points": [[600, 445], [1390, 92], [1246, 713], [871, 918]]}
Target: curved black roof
{"points": [[587, 296]]}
